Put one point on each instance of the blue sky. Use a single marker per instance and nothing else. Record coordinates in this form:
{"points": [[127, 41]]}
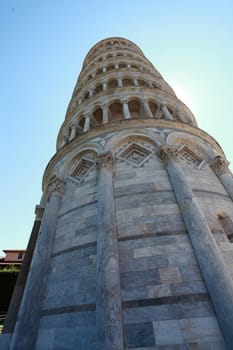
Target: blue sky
{"points": [[43, 44]]}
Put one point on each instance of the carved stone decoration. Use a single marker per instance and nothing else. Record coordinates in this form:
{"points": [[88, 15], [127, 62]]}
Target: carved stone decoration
{"points": [[166, 153], [135, 154], [190, 157], [220, 165], [105, 160], [56, 185], [85, 166]]}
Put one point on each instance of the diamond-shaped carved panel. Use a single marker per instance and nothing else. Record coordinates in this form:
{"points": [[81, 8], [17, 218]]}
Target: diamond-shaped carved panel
{"points": [[83, 169], [135, 154], [188, 155]]}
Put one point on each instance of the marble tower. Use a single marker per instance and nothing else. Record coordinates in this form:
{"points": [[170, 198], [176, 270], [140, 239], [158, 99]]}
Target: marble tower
{"points": [[132, 242]]}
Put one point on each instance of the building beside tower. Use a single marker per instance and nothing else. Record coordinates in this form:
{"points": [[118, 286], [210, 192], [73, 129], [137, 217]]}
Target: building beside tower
{"points": [[132, 243]]}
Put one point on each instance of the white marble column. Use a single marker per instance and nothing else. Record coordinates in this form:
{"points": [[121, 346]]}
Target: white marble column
{"points": [[26, 328], [104, 86], [166, 113], [147, 110], [87, 123], [73, 131], [119, 81], [91, 92], [126, 110], [150, 84], [216, 274], [64, 141], [220, 167], [105, 114], [108, 302]]}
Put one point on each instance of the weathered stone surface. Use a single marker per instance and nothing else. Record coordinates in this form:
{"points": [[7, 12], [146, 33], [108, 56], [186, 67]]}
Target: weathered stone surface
{"points": [[139, 334], [129, 250], [168, 333]]}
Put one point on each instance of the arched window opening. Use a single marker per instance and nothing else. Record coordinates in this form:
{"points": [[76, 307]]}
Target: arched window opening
{"points": [[127, 82], [170, 111], [99, 88], [153, 108], [122, 65], [227, 225], [52, 179], [134, 108], [98, 115], [116, 112], [113, 83], [111, 67], [81, 122], [134, 66], [86, 95], [99, 71], [93, 122], [69, 132], [140, 82]]}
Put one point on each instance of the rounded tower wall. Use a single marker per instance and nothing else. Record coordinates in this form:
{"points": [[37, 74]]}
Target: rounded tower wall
{"points": [[134, 249]]}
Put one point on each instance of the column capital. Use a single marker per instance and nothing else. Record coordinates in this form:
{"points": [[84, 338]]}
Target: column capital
{"points": [[56, 186], [167, 153], [220, 165], [105, 160]]}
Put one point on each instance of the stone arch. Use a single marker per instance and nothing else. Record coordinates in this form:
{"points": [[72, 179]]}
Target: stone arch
{"points": [[141, 82], [135, 108], [86, 95], [119, 54], [133, 135], [98, 115], [99, 71], [134, 66], [112, 83], [98, 88], [116, 111], [109, 56], [201, 147], [127, 82], [81, 121], [153, 107], [111, 67], [122, 65], [88, 150]]}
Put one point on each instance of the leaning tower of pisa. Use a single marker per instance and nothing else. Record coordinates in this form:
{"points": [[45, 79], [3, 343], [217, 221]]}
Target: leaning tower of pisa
{"points": [[135, 227]]}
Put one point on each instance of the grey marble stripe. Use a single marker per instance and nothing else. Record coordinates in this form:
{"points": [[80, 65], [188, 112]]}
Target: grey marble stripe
{"points": [[197, 191], [142, 192], [72, 249], [76, 208], [149, 235], [187, 298], [68, 309]]}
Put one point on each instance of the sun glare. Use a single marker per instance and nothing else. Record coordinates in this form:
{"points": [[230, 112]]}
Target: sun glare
{"points": [[184, 95]]}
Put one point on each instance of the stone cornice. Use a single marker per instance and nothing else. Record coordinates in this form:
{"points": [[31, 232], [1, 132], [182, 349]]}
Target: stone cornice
{"points": [[123, 125]]}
